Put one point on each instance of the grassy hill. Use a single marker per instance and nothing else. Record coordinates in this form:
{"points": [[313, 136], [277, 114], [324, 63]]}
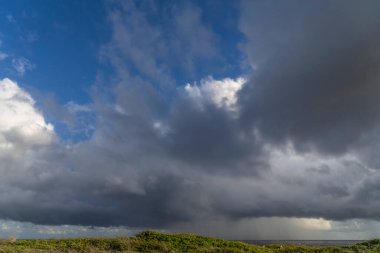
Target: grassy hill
{"points": [[150, 241]]}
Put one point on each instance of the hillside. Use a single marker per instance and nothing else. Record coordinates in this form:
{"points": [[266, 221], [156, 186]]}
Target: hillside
{"points": [[150, 241]]}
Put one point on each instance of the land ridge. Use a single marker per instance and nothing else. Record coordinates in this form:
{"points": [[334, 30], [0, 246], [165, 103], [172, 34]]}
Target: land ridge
{"points": [[152, 241]]}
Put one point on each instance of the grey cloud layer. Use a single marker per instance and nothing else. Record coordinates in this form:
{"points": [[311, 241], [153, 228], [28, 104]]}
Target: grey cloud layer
{"points": [[299, 148], [317, 80]]}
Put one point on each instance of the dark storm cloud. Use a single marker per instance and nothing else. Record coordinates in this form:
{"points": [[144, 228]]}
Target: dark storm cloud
{"points": [[97, 205], [317, 77], [210, 138]]}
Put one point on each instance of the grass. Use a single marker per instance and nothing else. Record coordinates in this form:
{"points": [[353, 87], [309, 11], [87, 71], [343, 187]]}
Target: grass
{"points": [[151, 241]]}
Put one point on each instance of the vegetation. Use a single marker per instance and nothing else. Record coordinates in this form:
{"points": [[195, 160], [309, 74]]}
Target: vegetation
{"points": [[151, 241]]}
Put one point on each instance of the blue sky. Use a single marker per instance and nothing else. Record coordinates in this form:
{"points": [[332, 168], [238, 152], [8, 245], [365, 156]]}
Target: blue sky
{"points": [[54, 48], [59, 39], [211, 117]]}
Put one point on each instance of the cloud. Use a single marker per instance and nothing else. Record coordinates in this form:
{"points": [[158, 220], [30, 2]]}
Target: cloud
{"points": [[31, 37], [74, 121], [21, 65], [210, 137], [10, 18], [223, 93], [278, 228], [316, 81], [158, 51], [3, 56], [22, 125], [293, 146], [192, 35], [77, 108], [136, 42], [25, 230]]}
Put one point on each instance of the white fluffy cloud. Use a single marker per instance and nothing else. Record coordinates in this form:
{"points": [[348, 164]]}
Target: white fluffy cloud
{"points": [[223, 93], [21, 124]]}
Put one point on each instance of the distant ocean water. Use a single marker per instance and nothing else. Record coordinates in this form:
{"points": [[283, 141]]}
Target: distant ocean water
{"points": [[304, 242]]}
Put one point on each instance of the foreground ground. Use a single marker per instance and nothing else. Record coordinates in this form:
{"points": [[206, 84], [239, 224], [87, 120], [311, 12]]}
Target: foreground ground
{"points": [[151, 241]]}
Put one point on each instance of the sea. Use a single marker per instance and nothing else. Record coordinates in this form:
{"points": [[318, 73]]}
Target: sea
{"points": [[304, 242]]}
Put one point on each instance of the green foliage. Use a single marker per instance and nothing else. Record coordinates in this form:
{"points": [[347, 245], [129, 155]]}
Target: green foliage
{"points": [[152, 241]]}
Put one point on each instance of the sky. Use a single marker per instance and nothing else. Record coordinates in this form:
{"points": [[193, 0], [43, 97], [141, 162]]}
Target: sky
{"points": [[235, 119]]}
